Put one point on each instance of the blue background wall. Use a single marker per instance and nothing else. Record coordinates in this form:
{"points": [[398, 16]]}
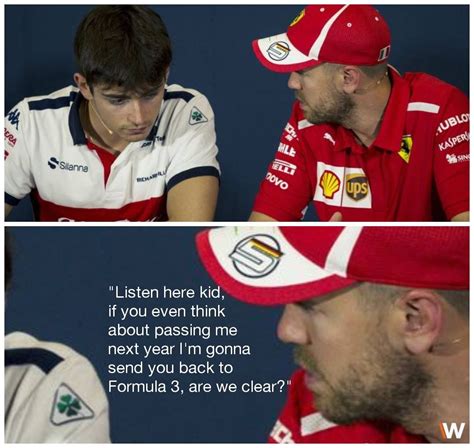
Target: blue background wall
{"points": [[60, 293], [212, 53]]}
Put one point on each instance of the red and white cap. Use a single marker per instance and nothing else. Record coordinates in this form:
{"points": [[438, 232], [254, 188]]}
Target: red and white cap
{"points": [[278, 265], [340, 34]]}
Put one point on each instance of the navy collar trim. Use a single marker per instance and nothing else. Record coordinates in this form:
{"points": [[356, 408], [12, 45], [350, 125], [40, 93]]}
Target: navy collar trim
{"points": [[75, 126]]}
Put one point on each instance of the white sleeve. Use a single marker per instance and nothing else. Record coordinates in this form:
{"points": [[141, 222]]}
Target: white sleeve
{"points": [[67, 405], [18, 174], [194, 151]]}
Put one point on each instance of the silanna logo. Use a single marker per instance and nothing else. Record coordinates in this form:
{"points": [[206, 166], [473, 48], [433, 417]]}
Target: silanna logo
{"points": [[54, 163]]}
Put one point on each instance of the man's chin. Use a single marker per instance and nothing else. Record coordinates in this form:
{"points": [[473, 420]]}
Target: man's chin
{"points": [[330, 412], [133, 138], [309, 116]]}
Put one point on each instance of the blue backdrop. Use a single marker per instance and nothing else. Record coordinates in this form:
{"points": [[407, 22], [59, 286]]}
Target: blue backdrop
{"points": [[60, 293], [212, 53]]}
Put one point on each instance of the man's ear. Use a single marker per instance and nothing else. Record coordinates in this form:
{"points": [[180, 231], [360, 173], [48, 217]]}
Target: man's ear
{"points": [[81, 82], [423, 315], [351, 78]]}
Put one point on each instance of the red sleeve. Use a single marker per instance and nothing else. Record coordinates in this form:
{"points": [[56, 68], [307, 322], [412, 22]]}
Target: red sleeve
{"points": [[287, 427], [451, 158], [286, 190]]}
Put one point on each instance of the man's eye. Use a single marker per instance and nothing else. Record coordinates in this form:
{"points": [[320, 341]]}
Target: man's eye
{"points": [[307, 305], [116, 101], [150, 96]]}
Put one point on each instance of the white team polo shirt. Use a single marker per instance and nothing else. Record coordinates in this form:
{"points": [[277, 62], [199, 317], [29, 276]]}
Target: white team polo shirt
{"points": [[46, 153], [52, 394]]}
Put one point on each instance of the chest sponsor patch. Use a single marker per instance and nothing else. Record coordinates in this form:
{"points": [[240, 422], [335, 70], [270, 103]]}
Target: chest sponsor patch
{"points": [[357, 186], [405, 148], [330, 184], [342, 186]]}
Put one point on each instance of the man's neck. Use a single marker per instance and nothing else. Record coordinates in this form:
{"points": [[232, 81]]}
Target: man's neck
{"points": [[451, 408], [367, 118], [98, 133]]}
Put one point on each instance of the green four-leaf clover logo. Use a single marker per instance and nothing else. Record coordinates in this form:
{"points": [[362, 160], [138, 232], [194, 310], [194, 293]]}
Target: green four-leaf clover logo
{"points": [[69, 405]]}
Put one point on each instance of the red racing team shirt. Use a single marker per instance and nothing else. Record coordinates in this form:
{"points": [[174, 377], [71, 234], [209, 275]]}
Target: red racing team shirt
{"points": [[300, 422], [417, 169]]}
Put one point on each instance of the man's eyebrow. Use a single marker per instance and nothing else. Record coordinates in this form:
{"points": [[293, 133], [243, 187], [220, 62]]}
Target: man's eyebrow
{"points": [[149, 92], [306, 304], [115, 95]]}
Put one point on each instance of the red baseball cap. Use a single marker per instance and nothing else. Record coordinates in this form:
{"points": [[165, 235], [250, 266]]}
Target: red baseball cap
{"points": [[340, 34], [278, 265]]}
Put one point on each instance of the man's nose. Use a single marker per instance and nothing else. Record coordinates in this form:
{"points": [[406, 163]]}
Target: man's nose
{"points": [[137, 113], [294, 81], [291, 328]]}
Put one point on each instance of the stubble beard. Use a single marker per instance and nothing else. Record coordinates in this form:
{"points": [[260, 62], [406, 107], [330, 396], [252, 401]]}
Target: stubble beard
{"points": [[381, 385], [336, 110]]}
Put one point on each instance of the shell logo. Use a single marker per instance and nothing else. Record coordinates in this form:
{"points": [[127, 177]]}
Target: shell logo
{"points": [[330, 184]]}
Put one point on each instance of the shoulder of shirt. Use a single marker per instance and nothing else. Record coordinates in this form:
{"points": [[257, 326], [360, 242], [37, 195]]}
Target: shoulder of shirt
{"points": [[22, 349], [58, 99], [425, 84], [177, 93]]}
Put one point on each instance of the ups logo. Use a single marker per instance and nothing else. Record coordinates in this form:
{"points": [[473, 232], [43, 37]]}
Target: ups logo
{"points": [[357, 186]]}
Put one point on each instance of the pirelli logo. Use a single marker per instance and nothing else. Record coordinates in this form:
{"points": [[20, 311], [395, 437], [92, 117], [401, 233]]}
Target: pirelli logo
{"points": [[284, 167], [357, 186]]}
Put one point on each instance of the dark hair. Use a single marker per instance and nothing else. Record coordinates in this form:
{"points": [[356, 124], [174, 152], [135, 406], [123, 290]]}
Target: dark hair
{"points": [[125, 46]]}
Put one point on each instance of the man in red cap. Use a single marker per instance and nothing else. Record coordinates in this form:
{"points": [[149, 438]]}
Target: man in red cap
{"points": [[363, 142], [379, 317]]}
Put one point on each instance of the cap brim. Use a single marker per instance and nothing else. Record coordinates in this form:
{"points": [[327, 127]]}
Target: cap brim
{"points": [[278, 54], [258, 265]]}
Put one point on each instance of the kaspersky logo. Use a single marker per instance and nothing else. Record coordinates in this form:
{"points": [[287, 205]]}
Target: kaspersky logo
{"points": [[54, 163]]}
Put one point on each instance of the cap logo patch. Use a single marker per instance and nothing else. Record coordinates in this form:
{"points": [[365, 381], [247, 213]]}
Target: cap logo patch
{"points": [[297, 18], [278, 51], [357, 186], [330, 184], [405, 149], [384, 52], [256, 256]]}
